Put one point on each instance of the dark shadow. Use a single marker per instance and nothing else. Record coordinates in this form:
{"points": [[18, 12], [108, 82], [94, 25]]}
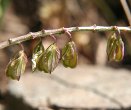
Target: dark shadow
{"points": [[14, 103]]}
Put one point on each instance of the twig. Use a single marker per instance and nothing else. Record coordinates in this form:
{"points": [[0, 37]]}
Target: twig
{"points": [[33, 35], [127, 10]]}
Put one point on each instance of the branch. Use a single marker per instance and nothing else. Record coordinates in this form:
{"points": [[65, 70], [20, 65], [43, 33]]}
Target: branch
{"points": [[127, 10], [44, 33]]}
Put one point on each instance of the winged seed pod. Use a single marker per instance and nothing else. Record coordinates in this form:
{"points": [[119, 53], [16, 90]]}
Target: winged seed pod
{"points": [[49, 60], [111, 47], [38, 50], [16, 66], [115, 48], [119, 50], [70, 55]]}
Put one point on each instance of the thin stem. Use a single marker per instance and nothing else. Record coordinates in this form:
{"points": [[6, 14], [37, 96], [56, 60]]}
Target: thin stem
{"points": [[127, 10], [21, 46], [33, 35]]}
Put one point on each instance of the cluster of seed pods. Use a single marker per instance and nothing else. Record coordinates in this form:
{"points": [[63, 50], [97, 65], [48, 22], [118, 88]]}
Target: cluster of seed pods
{"points": [[45, 60]]}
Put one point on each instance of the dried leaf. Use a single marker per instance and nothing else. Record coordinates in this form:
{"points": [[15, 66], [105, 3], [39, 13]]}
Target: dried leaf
{"points": [[38, 50], [70, 55], [49, 60], [16, 66]]}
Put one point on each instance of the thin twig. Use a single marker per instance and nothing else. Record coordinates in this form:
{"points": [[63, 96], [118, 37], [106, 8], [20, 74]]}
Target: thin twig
{"points": [[127, 10], [33, 35]]}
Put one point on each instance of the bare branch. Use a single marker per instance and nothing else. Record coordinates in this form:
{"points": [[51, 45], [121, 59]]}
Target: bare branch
{"points": [[44, 33], [127, 10]]}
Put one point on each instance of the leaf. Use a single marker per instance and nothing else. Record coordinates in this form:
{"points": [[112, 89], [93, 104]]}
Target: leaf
{"points": [[16, 66], [70, 55], [38, 50], [49, 60]]}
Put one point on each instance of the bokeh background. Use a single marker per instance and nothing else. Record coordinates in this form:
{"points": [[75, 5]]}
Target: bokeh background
{"points": [[94, 84]]}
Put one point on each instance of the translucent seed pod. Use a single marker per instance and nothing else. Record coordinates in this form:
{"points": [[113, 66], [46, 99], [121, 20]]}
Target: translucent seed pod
{"points": [[16, 66], [115, 48], [49, 60], [119, 50], [38, 50], [70, 55]]}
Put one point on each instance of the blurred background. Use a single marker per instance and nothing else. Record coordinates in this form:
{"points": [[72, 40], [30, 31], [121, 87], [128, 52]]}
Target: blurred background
{"points": [[95, 84]]}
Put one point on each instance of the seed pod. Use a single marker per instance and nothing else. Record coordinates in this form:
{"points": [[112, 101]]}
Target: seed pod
{"points": [[38, 50], [115, 48], [111, 45], [119, 50], [49, 60], [16, 66], [70, 55]]}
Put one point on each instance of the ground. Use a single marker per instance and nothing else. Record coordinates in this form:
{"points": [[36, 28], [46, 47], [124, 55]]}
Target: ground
{"points": [[84, 87]]}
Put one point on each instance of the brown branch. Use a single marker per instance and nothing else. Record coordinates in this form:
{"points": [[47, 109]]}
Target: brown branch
{"points": [[44, 33], [127, 10]]}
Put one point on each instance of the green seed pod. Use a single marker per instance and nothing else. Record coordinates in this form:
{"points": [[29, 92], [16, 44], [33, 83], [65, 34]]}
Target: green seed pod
{"points": [[49, 60], [111, 46], [38, 50], [119, 50], [115, 48], [16, 66], [70, 55]]}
